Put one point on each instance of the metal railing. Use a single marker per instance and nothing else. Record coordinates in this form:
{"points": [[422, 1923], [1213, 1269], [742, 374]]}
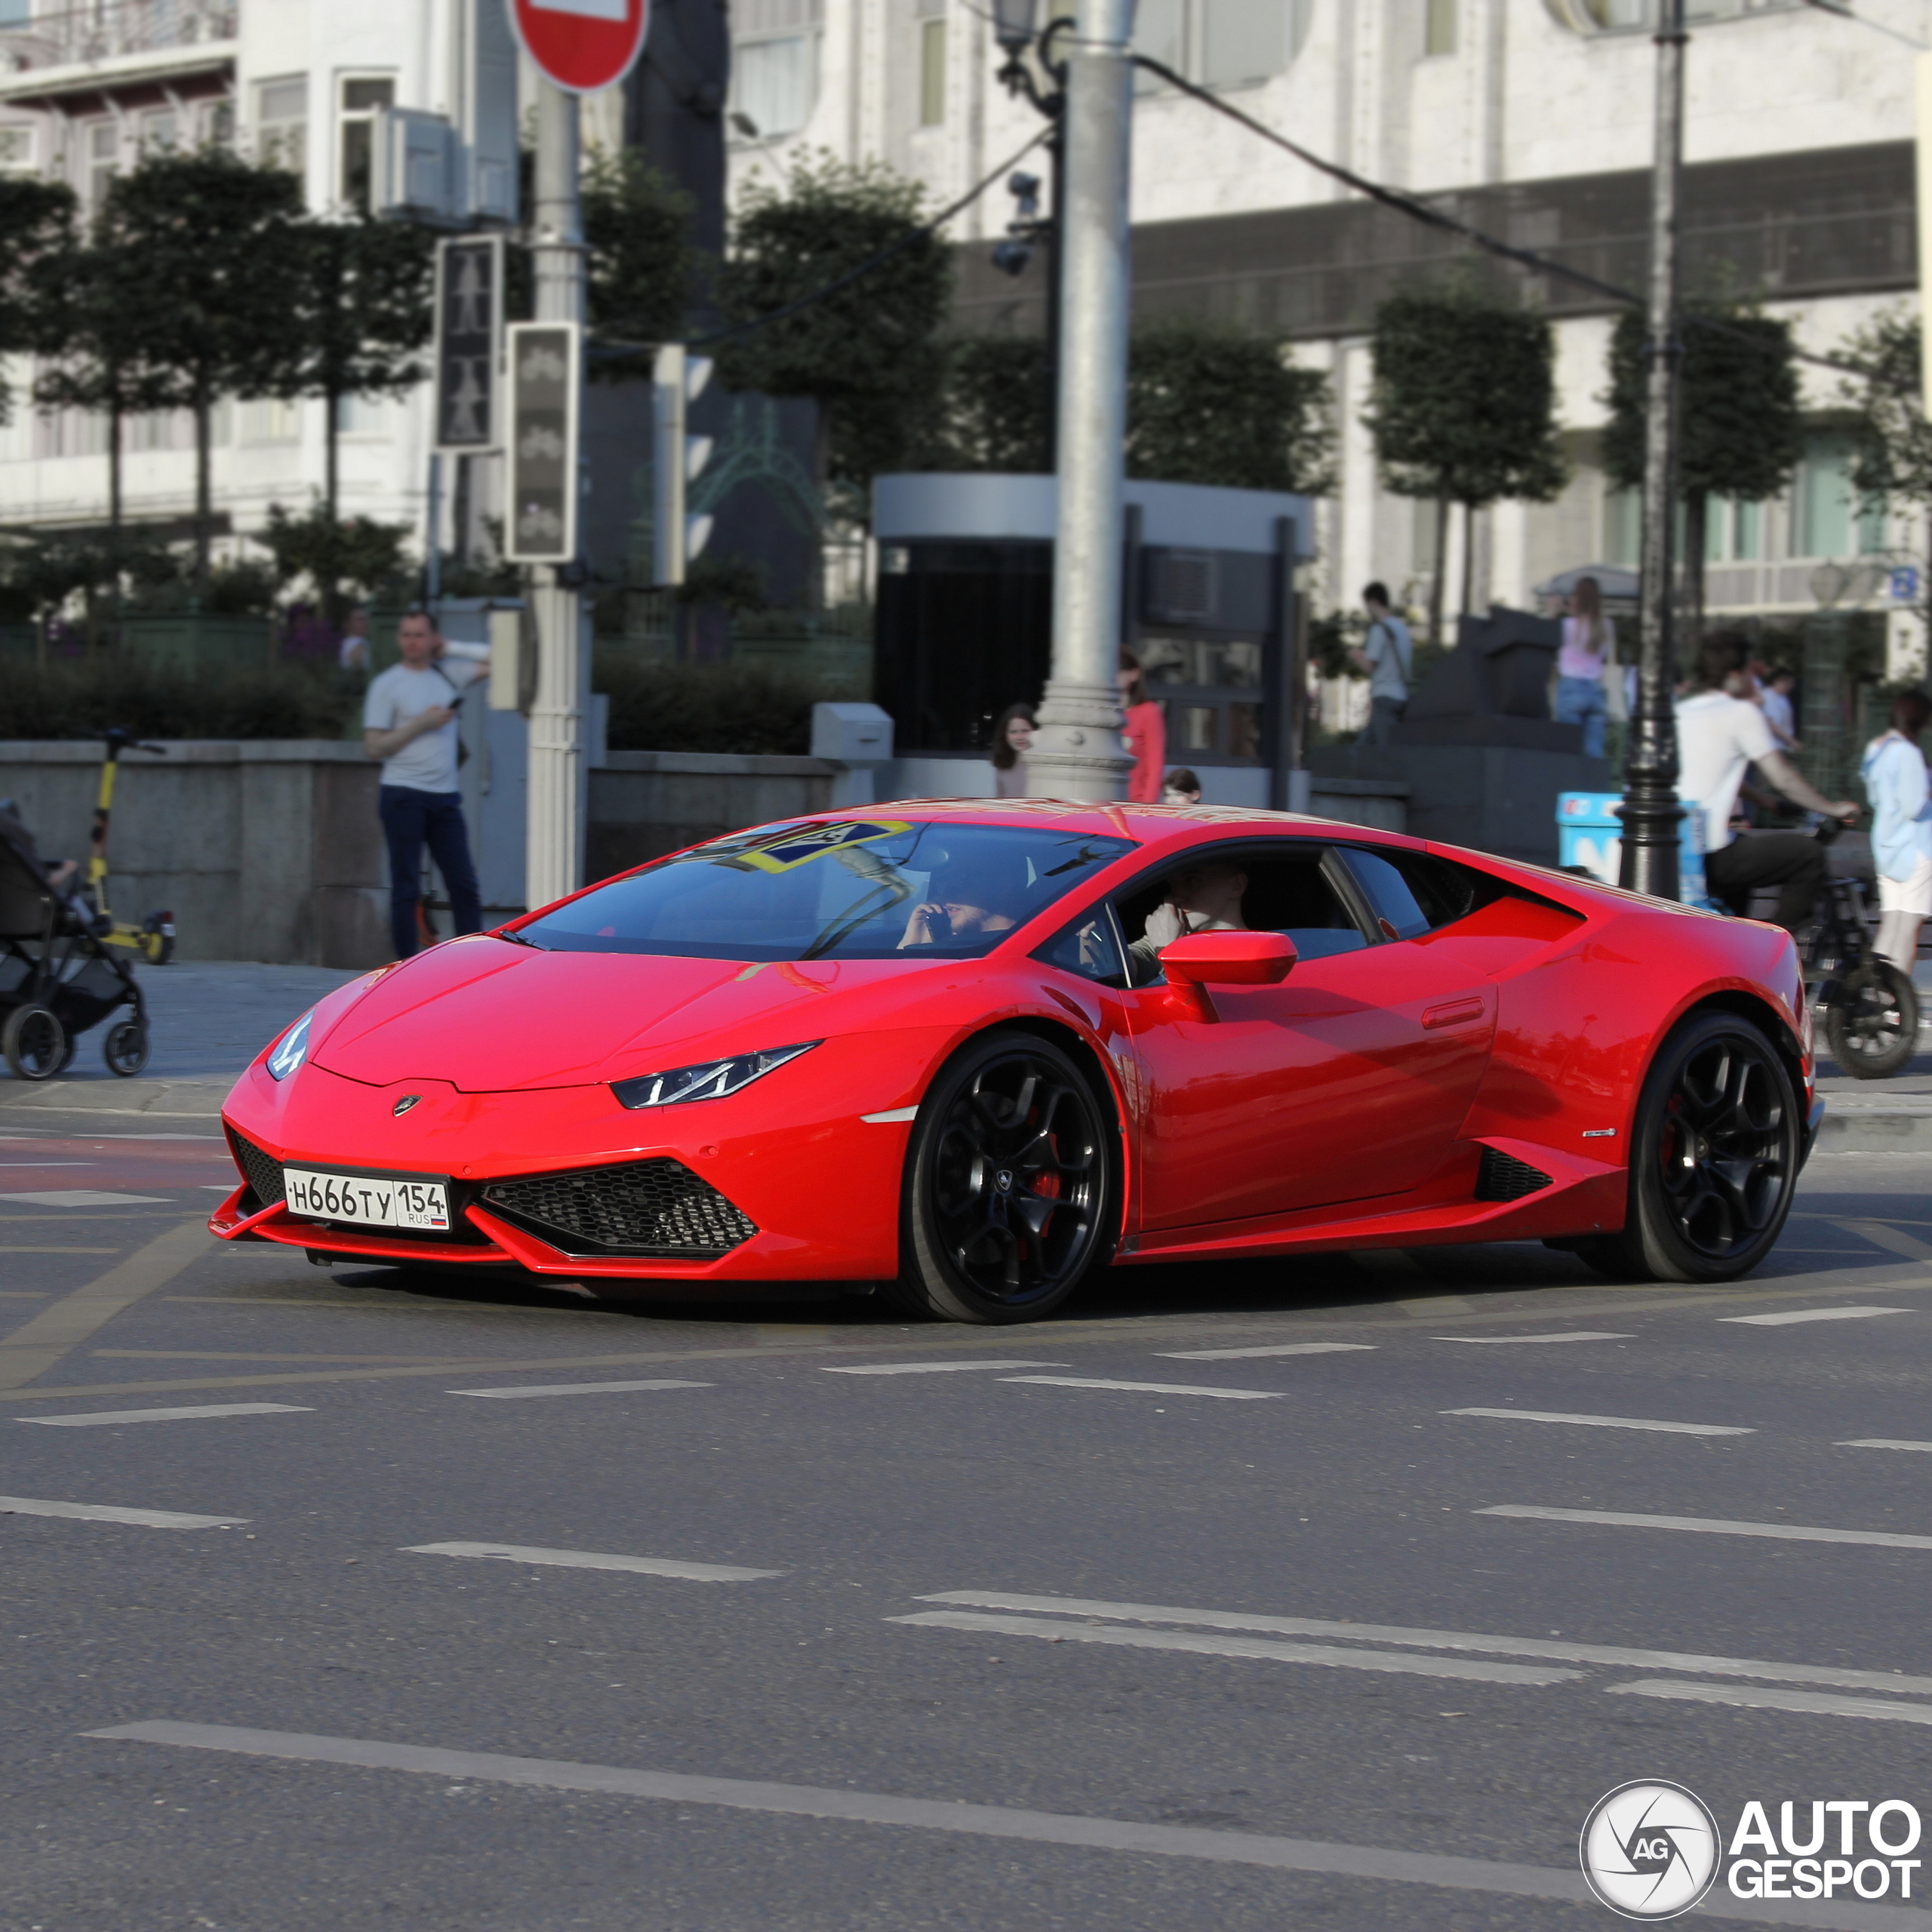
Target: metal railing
{"points": [[107, 30]]}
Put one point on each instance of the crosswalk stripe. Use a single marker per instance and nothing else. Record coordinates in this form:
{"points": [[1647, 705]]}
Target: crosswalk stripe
{"points": [[106, 1512], [1149, 1387], [592, 1559]]}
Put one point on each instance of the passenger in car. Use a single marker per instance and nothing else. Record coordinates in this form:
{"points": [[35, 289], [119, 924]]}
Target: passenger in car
{"points": [[1203, 899]]}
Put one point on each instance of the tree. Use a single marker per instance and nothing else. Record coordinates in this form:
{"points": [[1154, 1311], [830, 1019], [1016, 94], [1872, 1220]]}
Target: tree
{"points": [[641, 268], [1741, 428], [868, 354], [36, 239], [214, 237], [991, 412], [330, 551], [1463, 410]]}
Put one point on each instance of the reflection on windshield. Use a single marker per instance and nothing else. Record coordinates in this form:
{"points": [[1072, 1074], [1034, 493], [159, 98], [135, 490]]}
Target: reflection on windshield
{"points": [[848, 889]]}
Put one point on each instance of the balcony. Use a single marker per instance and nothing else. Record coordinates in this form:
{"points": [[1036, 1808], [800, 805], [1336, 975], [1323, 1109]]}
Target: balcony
{"points": [[115, 36]]}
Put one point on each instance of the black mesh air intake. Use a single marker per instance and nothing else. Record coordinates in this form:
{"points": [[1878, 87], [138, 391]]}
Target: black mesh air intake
{"points": [[1503, 1177], [264, 1172], [653, 1207]]}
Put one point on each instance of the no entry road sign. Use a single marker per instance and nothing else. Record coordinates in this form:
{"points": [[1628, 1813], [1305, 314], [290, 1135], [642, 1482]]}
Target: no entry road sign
{"points": [[583, 45]]}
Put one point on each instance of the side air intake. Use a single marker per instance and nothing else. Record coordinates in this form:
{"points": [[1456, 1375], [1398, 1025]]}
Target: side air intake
{"points": [[1503, 1177]]}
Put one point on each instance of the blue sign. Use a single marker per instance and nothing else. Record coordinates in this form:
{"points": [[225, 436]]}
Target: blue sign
{"points": [[1904, 586]]}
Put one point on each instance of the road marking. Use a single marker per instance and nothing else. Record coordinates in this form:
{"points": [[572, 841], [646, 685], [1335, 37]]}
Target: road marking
{"points": [[86, 1197], [1882, 1233], [36, 1249], [931, 1367], [1880, 1442], [230, 1354], [103, 1512], [1811, 1315], [574, 1388], [31, 1349], [1710, 1525], [1446, 1640], [798, 1801], [1150, 1388], [1602, 1422], [592, 1559], [1259, 1648], [890, 1115], [168, 1415], [1280, 1349], [1754, 1698], [1575, 1335]]}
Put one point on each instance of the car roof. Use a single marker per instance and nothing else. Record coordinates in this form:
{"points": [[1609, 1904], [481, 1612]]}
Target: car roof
{"points": [[1145, 825]]}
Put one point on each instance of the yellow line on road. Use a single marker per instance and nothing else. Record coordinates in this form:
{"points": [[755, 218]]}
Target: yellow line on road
{"points": [[33, 1349]]}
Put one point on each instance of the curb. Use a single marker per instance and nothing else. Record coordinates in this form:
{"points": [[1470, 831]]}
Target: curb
{"points": [[1855, 1125]]}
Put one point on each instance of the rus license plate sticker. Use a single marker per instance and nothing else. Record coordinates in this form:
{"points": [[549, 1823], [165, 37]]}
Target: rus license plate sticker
{"points": [[380, 1201]]}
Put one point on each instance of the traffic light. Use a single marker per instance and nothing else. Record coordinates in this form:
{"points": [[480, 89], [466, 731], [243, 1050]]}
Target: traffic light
{"points": [[545, 387], [678, 379]]}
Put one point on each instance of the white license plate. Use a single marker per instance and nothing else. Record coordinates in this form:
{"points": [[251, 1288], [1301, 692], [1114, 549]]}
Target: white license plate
{"points": [[378, 1201]]}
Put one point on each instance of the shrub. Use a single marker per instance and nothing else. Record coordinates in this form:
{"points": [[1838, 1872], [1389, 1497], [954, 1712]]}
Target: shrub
{"points": [[658, 706], [81, 701]]}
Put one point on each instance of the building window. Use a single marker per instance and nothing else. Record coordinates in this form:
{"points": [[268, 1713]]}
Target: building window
{"points": [[217, 124], [1592, 17], [269, 419], [101, 147], [282, 125], [361, 416], [160, 131], [1622, 527], [1829, 517], [932, 63], [774, 67], [361, 99], [17, 149], [1220, 43], [1438, 26]]}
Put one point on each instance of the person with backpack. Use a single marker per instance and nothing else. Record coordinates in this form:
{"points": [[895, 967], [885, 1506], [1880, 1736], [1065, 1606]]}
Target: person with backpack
{"points": [[1385, 657]]}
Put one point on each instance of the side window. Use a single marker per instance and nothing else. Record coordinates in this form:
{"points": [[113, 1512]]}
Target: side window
{"points": [[1088, 947], [1268, 889], [1414, 893]]}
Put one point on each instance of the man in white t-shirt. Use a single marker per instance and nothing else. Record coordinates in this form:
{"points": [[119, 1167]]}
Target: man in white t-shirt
{"points": [[1386, 655], [1719, 732], [409, 722]]}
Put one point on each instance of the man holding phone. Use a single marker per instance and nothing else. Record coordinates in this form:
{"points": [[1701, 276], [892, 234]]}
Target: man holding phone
{"points": [[409, 722]]}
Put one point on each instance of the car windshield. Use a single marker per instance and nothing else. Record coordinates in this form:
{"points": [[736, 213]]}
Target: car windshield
{"points": [[855, 888]]}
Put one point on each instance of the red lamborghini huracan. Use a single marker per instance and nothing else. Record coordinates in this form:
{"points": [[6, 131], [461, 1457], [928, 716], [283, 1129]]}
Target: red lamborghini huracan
{"points": [[970, 1051]]}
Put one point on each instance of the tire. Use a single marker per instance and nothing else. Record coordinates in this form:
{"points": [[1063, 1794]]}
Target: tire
{"points": [[1873, 1029], [1010, 1189], [1714, 1159], [124, 1050], [35, 1043]]}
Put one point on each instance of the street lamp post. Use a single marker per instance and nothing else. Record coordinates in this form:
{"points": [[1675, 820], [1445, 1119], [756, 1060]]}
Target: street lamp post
{"points": [[1076, 747], [1651, 812]]}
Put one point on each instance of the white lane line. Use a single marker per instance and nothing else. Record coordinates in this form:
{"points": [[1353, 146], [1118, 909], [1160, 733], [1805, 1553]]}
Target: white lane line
{"points": [[1602, 1422], [1446, 1640], [1575, 1335], [1259, 1648], [991, 1821], [573, 1388], [933, 1367], [85, 1197], [1753, 1698], [593, 1559], [1280, 1349], [1880, 1442], [104, 1512], [1710, 1525], [168, 1415], [1149, 1387], [1785, 1321]]}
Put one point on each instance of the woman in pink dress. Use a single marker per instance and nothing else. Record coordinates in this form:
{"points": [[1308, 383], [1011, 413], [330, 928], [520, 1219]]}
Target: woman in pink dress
{"points": [[1143, 732]]}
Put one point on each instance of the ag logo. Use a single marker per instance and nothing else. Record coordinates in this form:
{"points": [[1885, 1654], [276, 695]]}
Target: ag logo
{"points": [[1651, 1850]]}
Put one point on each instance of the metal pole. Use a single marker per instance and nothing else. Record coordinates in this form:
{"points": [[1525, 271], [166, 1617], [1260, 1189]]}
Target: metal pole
{"points": [[1651, 813], [553, 854], [1076, 751], [1056, 255]]}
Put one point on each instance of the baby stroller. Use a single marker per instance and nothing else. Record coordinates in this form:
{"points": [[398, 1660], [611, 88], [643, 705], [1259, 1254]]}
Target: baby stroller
{"points": [[58, 977]]}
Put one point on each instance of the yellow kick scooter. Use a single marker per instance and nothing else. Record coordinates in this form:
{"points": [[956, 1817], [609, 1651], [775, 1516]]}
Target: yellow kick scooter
{"points": [[153, 939]]}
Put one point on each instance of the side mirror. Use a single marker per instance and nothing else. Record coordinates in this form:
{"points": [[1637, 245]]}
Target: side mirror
{"points": [[1197, 960]]}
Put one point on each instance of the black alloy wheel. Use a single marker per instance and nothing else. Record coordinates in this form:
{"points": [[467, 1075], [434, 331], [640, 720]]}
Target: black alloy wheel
{"points": [[1714, 1155], [1872, 1029], [1009, 1192], [125, 1048], [35, 1043]]}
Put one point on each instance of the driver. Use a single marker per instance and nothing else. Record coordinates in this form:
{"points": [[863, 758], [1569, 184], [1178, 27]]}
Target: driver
{"points": [[958, 909], [1205, 898]]}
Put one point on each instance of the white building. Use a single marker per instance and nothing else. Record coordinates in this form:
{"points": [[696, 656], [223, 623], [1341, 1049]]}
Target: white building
{"points": [[1532, 117], [85, 85]]}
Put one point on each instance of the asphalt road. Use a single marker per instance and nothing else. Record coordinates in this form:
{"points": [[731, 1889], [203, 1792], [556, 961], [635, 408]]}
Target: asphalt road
{"points": [[773, 1636]]}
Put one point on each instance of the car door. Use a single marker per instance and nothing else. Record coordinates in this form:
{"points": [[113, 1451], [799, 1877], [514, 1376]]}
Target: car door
{"points": [[1347, 1082]]}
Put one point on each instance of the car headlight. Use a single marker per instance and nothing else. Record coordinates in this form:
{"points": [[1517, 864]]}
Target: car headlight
{"points": [[710, 1080], [294, 1049]]}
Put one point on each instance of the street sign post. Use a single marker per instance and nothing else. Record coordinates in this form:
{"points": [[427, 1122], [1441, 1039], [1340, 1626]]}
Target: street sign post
{"points": [[547, 379], [582, 45], [469, 340]]}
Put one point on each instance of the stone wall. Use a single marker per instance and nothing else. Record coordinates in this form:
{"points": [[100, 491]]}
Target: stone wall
{"points": [[644, 804]]}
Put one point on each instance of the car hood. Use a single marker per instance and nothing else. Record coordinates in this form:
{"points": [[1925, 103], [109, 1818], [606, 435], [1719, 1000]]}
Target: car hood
{"points": [[490, 1016]]}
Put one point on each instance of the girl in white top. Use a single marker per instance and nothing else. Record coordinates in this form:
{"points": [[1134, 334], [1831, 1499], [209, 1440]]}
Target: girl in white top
{"points": [[1013, 739], [1895, 783]]}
